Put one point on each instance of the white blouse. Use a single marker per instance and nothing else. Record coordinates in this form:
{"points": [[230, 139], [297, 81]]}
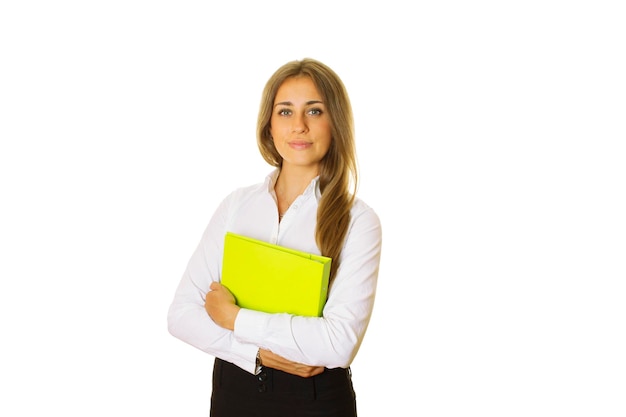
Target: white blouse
{"points": [[331, 340]]}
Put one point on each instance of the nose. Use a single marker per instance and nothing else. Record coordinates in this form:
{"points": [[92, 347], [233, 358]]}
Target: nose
{"points": [[299, 124]]}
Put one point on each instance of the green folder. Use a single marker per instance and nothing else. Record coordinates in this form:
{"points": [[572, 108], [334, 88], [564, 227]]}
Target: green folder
{"points": [[274, 279]]}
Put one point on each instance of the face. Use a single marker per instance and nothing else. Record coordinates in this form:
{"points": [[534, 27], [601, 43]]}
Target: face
{"points": [[300, 124]]}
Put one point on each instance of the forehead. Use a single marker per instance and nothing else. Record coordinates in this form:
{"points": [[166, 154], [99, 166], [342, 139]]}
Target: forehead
{"points": [[295, 89]]}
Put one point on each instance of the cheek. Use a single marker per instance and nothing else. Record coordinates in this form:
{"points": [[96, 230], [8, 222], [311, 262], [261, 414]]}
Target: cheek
{"points": [[327, 146], [328, 133], [276, 129], [326, 125]]}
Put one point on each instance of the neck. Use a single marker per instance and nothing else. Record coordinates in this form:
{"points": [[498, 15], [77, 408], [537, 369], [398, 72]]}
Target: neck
{"points": [[290, 184], [293, 182]]}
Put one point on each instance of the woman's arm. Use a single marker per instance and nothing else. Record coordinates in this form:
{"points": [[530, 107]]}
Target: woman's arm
{"points": [[187, 318], [333, 339], [220, 306]]}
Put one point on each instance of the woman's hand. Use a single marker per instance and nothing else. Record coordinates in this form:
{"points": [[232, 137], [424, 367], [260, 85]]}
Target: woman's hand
{"points": [[272, 360], [220, 304]]}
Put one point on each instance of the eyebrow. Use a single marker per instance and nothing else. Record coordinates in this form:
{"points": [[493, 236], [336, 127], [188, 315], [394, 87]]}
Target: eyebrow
{"points": [[289, 103]]}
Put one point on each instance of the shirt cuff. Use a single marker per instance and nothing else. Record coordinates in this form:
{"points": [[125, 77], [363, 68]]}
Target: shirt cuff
{"points": [[250, 326], [244, 356]]}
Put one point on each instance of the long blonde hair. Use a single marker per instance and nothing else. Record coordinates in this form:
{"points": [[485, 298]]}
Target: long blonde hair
{"points": [[338, 168]]}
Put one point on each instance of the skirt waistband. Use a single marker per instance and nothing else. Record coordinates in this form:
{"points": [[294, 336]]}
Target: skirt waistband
{"points": [[271, 382]]}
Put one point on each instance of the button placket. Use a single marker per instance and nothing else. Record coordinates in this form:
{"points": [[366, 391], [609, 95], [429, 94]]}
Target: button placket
{"points": [[262, 378]]}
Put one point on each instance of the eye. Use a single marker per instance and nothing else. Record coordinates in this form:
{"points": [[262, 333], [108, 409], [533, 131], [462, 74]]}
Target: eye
{"points": [[315, 111], [284, 112]]}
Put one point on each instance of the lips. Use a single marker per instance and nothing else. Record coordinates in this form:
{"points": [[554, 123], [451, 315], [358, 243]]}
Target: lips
{"points": [[299, 144]]}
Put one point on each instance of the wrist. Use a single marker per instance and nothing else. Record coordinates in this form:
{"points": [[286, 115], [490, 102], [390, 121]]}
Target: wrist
{"points": [[234, 317], [259, 365]]}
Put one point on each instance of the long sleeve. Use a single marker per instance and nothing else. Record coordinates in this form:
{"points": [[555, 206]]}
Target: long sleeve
{"points": [[187, 317], [333, 339]]}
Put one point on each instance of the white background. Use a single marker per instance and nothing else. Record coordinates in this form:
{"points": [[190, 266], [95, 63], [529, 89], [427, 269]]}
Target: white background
{"points": [[490, 142]]}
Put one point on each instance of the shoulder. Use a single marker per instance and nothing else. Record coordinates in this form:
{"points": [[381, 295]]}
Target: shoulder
{"points": [[363, 216], [247, 192], [365, 232], [361, 208], [241, 196]]}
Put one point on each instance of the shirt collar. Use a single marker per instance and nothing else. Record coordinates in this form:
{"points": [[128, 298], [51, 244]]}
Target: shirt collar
{"points": [[313, 187]]}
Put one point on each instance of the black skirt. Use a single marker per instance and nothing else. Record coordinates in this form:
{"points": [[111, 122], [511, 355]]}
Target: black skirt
{"points": [[273, 393]]}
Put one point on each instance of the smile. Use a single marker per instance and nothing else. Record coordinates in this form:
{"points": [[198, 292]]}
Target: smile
{"points": [[299, 144]]}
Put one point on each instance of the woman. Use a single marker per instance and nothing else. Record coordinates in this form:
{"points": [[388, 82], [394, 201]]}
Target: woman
{"points": [[281, 364]]}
